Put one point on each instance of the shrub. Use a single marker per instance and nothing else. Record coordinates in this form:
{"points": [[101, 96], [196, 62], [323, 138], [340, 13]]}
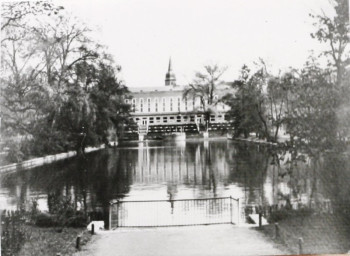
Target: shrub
{"points": [[65, 211], [302, 212], [279, 215], [77, 221], [286, 213], [13, 233], [45, 220]]}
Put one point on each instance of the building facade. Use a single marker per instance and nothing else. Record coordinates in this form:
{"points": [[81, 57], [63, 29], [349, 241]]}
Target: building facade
{"points": [[164, 107]]}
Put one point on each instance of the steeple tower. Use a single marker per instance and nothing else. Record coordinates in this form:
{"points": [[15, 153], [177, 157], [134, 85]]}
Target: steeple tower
{"points": [[170, 79]]}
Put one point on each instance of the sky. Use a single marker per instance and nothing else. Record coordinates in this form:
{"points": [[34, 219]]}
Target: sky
{"points": [[143, 34]]}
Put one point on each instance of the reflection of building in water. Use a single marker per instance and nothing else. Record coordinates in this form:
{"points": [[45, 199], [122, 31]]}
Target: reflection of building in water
{"points": [[188, 167], [197, 171], [175, 165], [171, 190]]}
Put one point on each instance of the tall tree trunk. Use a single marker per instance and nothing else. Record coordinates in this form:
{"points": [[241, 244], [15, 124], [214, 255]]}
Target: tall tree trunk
{"points": [[262, 119]]}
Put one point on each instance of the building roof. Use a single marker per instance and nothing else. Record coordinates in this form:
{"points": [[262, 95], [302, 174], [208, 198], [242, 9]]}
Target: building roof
{"points": [[155, 89]]}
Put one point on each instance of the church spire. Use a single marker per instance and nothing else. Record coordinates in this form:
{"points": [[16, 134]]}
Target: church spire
{"points": [[170, 78], [170, 68]]}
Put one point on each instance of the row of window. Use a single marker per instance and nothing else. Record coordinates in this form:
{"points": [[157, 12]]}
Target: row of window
{"points": [[174, 104], [178, 119], [163, 99]]}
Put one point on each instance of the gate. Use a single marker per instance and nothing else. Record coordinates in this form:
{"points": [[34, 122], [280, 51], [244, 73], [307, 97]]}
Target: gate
{"points": [[182, 212]]}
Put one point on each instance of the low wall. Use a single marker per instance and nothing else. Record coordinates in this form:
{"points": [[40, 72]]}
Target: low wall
{"points": [[28, 164]]}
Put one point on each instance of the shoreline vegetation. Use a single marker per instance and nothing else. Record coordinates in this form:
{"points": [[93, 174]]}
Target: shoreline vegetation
{"points": [[33, 232]]}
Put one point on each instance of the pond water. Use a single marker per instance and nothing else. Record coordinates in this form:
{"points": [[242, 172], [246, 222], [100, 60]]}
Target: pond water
{"points": [[171, 170]]}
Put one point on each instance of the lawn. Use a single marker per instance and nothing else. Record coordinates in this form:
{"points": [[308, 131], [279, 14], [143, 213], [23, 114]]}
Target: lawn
{"points": [[321, 233], [51, 241]]}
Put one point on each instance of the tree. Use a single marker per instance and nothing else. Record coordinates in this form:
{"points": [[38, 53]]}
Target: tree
{"points": [[242, 111], [36, 67], [249, 109], [312, 121], [334, 31], [258, 85], [204, 87], [108, 96], [316, 96], [59, 88], [14, 14], [278, 101], [311, 118]]}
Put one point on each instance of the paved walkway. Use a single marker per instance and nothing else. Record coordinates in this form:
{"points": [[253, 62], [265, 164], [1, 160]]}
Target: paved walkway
{"points": [[198, 240]]}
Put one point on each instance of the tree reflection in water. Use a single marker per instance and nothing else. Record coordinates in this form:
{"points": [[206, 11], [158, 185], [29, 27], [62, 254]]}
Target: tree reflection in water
{"points": [[164, 170]]}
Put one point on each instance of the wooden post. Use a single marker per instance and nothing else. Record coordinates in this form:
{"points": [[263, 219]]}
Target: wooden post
{"points": [[117, 213], [260, 219], [231, 209], [92, 229], [277, 231], [110, 216], [238, 212], [78, 243], [300, 244]]}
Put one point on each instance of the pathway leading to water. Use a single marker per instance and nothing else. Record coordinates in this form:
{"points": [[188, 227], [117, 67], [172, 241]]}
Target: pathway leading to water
{"points": [[196, 240]]}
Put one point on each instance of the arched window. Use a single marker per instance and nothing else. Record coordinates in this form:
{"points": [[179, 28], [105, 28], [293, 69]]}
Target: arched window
{"points": [[133, 104], [141, 105], [149, 104], [163, 104], [156, 105]]}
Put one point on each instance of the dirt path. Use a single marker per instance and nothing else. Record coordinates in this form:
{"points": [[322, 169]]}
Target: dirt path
{"points": [[200, 240]]}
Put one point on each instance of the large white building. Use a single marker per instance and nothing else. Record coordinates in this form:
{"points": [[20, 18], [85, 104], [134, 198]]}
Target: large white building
{"points": [[164, 109]]}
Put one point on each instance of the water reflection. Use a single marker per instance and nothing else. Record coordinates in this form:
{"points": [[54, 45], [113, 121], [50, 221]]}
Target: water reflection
{"points": [[159, 170]]}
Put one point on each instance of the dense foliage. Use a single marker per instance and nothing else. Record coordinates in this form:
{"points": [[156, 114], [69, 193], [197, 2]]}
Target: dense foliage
{"points": [[310, 105], [59, 88]]}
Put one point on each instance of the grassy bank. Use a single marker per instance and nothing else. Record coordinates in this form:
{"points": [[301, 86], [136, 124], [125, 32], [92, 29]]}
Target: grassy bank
{"points": [[320, 233], [45, 241], [51, 241], [43, 233]]}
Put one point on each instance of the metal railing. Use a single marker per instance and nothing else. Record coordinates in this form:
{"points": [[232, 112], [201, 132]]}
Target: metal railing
{"points": [[181, 212]]}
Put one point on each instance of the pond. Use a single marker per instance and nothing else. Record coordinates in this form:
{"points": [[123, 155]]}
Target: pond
{"points": [[158, 170]]}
